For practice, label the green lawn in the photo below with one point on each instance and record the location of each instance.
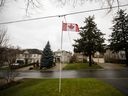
(78, 66)
(70, 87)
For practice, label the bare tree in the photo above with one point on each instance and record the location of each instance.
(10, 55)
(33, 4)
(3, 44)
(28, 4)
(3, 36)
(2, 2)
(75, 2)
(10, 73)
(7, 55)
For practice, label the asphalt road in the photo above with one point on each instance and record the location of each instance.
(117, 78)
(90, 73)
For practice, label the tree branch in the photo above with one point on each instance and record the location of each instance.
(3, 37)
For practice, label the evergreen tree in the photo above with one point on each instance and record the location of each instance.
(91, 39)
(47, 57)
(119, 36)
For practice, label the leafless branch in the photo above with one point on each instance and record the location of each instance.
(3, 37)
(32, 4)
(2, 3)
(29, 4)
(35, 4)
(74, 2)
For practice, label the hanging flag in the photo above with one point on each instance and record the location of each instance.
(70, 27)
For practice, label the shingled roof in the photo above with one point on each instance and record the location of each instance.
(33, 51)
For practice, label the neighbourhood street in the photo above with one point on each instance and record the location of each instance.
(117, 77)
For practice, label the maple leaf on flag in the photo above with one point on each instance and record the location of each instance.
(70, 27)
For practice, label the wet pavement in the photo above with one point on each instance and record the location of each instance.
(117, 78)
(112, 66)
(88, 73)
(119, 83)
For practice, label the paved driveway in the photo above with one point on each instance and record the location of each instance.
(112, 66)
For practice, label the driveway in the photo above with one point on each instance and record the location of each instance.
(112, 66)
(24, 68)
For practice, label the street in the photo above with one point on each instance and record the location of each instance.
(116, 77)
(89, 73)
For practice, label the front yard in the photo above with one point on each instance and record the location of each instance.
(78, 66)
(70, 87)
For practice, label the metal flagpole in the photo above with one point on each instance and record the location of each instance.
(61, 60)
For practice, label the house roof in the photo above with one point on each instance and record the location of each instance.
(58, 51)
(33, 51)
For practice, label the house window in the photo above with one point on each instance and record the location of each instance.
(122, 56)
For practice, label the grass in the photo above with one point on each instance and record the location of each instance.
(70, 87)
(78, 66)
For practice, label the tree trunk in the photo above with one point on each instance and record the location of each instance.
(90, 60)
(126, 55)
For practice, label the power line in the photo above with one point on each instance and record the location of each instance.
(73, 13)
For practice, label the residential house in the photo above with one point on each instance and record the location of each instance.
(80, 57)
(113, 57)
(62, 56)
(29, 56)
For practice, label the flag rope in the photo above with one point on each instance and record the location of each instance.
(68, 31)
(61, 56)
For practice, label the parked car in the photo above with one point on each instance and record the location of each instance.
(15, 65)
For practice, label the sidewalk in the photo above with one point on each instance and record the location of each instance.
(111, 66)
(57, 67)
(24, 68)
(100, 62)
(119, 83)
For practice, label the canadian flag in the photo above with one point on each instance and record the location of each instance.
(70, 27)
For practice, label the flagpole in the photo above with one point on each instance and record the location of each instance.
(60, 75)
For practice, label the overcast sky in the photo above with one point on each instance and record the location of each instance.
(35, 34)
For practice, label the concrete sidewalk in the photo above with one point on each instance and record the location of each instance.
(100, 62)
(119, 83)
(57, 67)
(24, 68)
(112, 66)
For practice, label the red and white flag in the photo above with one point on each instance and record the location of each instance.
(70, 27)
